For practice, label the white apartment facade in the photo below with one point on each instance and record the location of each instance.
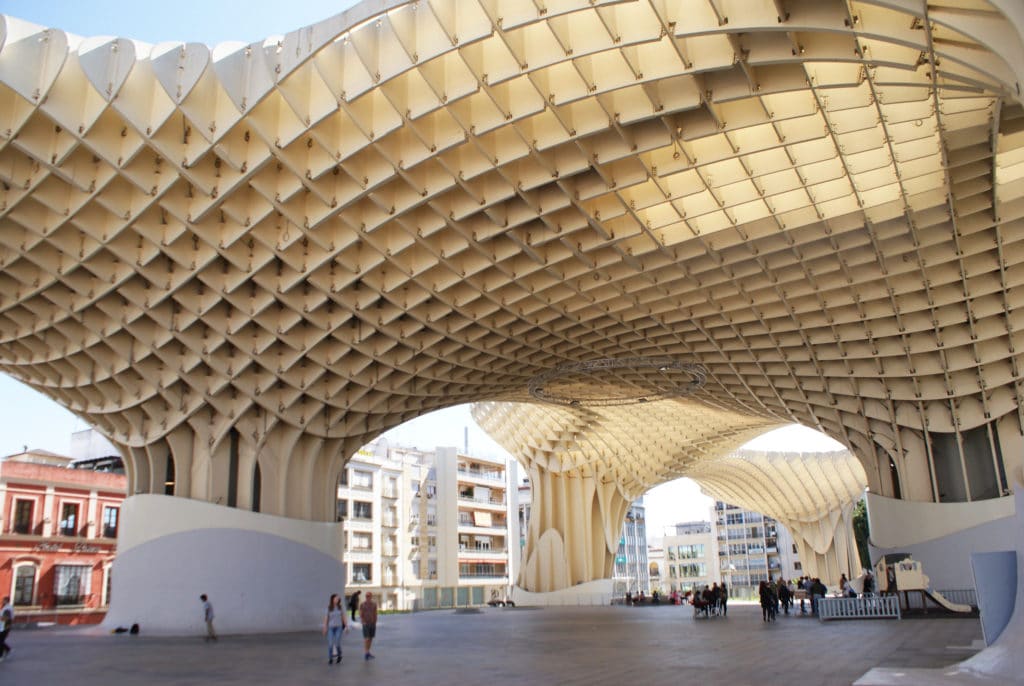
(751, 548)
(427, 529)
(690, 557)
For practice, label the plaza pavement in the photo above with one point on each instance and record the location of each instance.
(630, 646)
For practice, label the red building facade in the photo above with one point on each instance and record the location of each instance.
(58, 538)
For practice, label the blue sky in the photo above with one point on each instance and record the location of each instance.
(209, 21)
(29, 418)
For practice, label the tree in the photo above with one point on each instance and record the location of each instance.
(862, 532)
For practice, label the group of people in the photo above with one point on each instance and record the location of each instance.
(711, 601)
(334, 623)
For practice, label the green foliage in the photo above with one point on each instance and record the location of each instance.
(862, 531)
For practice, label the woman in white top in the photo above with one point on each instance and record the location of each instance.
(334, 624)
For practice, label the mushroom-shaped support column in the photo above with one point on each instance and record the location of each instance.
(574, 528)
(588, 464)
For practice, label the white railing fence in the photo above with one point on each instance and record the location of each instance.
(870, 607)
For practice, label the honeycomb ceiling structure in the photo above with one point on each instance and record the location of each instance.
(413, 205)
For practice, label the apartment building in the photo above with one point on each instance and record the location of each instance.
(631, 572)
(689, 557)
(751, 548)
(427, 529)
(737, 546)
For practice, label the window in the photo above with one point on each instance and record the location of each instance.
(362, 572)
(110, 522)
(693, 570)
(431, 515)
(69, 519)
(23, 516)
(362, 479)
(107, 583)
(71, 583)
(432, 569)
(362, 510)
(342, 509)
(24, 585)
(431, 490)
(431, 543)
(361, 541)
(690, 552)
(344, 477)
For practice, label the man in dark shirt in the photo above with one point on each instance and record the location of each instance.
(368, 616)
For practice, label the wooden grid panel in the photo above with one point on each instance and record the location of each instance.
(417, 204)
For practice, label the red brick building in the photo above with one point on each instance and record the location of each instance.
(58, 536)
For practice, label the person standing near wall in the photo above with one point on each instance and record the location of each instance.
(368, 616)
(353, 604)
(6, 622)
(211, 635)
(334, 624)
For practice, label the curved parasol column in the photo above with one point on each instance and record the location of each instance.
(812, 494)
(588, 464)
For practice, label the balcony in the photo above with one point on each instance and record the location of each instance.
(470, 498)
(467, 551)
(493, 475)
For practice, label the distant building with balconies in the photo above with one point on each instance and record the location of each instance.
(428, 529)
(631, 572)
(751, 548)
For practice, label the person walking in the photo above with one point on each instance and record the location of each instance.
(334, 624)
(724, 599)
(353, 604)
(785, 596)
(368, 616)
(6, 621)
(211, 635)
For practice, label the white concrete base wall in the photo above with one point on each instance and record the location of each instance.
(597, 592)
(942, 536)
(261, 573)
(1004, 660)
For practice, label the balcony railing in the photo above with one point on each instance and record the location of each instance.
(489, 474)
(487, 501)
